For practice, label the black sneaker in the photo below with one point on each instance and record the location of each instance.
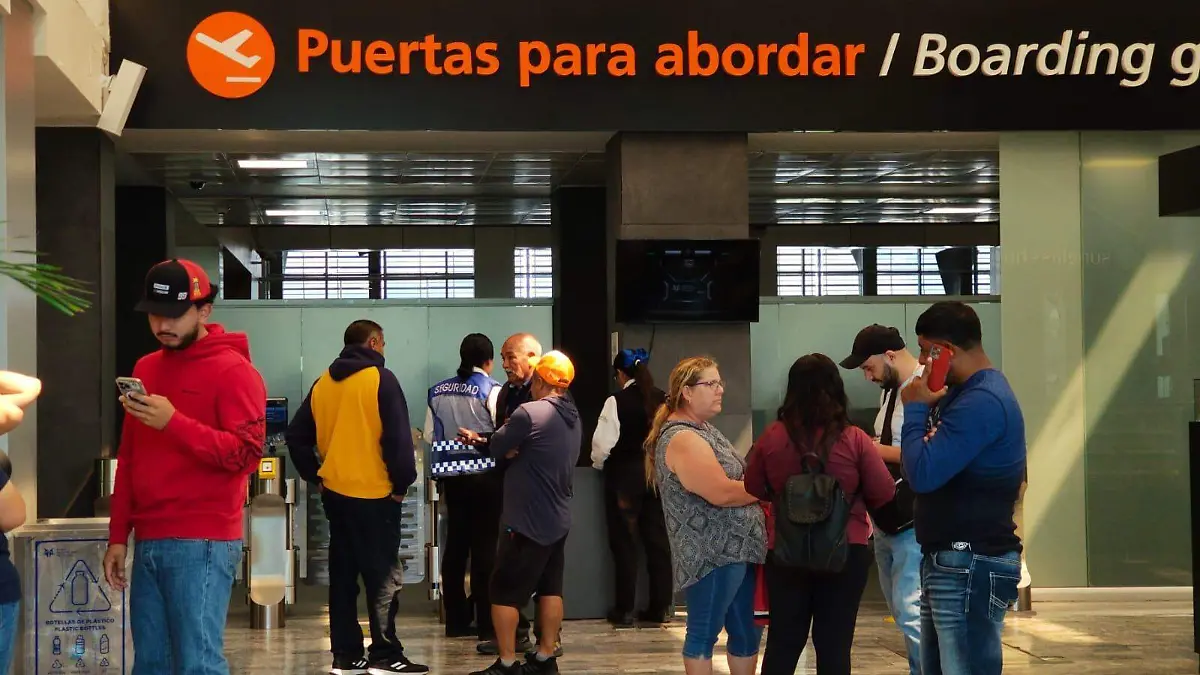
(399, 664)
(498, 668)
(490, 648)
(653, 618)
(535, 666)
(347, 666)
(620, 619)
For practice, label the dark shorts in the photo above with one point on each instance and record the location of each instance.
(525, 567)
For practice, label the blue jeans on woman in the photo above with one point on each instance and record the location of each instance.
(178, 603)
(964, 597)
(8, 634)
(723, 598)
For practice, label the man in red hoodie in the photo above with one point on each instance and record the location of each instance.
(187, 449)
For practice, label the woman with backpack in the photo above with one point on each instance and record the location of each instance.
(823, 473)
(715, 528)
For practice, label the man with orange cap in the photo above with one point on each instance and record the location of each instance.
(538, 445)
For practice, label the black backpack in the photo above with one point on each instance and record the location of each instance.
(811, 515)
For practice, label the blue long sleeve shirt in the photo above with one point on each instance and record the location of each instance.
(968, 476)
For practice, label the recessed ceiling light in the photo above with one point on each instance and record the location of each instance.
(273, 163)
(957, 210)
(284, 213)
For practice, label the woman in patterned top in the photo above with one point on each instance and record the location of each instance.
(715, 527)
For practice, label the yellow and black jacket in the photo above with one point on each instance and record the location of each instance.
(352, 433)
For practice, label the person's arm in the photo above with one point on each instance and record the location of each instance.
(889, 453)
(301, 439)
(396, 441)
(12, 505)
(236, 443)
(493, 398)
(757, 482)
(874, 481)
(693, 461)
(608, 430)
(974, 421)
(504, 444)
(427, 431)
(120, 505)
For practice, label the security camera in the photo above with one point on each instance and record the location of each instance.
(197, 184)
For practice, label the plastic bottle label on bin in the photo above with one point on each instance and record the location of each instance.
(81, 623)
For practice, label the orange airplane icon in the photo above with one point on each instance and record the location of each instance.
(231, 55)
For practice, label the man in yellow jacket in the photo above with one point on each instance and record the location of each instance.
(351, 438)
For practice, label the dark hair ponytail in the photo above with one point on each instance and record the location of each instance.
(476, 350)
(645, 382)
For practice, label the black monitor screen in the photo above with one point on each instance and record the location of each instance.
(277, 416)
(701, 281)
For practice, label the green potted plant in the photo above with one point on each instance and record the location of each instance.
(61, 292)
(56, 289)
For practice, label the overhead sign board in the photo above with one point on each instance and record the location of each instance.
(756, 65)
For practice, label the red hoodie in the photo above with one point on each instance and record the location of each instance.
(188, 481)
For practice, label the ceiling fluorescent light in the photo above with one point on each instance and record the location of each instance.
(956, 210)
(273, 163)
(284, 213)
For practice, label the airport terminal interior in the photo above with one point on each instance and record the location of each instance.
(531, 202)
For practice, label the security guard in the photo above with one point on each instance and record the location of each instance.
(634, 512)
(469, 483)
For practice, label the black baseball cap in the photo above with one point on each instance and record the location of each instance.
(872, 340)
(172, 287)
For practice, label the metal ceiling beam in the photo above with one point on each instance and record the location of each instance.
(508, 191)
(876, 190)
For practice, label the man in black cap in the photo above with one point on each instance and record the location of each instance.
(880, 353)
(193, 433)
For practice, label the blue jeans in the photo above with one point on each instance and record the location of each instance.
(964, 597)
(178, 602)
(899, 560)
(723, 598)
(8, 634)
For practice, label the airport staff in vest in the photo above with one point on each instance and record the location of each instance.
(634, 512)
(471, 488)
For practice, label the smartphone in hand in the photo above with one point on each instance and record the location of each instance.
(131, 385)
(939, 366)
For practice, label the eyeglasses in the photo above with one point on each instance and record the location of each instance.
(715, 384)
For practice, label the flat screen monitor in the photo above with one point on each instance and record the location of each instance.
(687, 281)
(277, 415)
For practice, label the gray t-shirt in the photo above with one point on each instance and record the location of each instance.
(537, 482)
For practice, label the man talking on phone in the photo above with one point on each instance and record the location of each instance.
(963, 451)
(195, 423)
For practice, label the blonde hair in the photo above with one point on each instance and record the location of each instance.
(685, 374)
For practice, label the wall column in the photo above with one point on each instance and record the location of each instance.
(144, 225)
(1043, 346)
(76, 354)
(581, 326)
(685, 186)
(18, 227)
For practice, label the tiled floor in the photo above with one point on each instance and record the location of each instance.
(1058, 639)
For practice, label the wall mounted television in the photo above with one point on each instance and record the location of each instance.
(687, 281)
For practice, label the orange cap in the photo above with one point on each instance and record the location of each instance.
(555, 369)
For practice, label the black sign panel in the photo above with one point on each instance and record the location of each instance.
(703, 65)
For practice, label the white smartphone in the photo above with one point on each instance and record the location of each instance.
(131, 385)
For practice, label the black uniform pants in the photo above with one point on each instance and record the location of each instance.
(635, 517)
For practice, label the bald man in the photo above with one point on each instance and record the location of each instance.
(517, 355)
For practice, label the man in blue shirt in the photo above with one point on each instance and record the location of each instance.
(963, 451)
